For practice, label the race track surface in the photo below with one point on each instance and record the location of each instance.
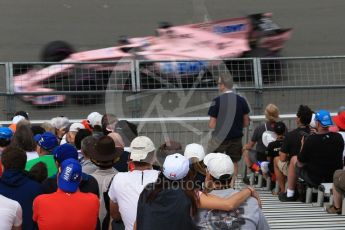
(26, 25)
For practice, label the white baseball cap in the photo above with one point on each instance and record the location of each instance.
(95, 118)
(75, 127)
(175, 167)
(140, 147)
(17, 119)
(219, 164)
(194, 150)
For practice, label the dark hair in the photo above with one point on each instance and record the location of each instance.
(39, 172)
(167, 148)
(97, 129)
(305, 114)
(108, 119)
(4, 142)
(24, 138)
(279, 128)
(13, 158)
(224, 180)
(164, 183)
(36, 129)
(81, 134)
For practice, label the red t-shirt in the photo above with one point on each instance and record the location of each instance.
(67, 211)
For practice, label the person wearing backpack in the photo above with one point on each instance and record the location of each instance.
(262, 136)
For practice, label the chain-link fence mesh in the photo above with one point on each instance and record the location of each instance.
(169, 88)
(303, 72)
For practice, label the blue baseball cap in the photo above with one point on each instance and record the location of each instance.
(70, 175)
(6, 133)
(64, 152)
(324, 117)
(47, 140)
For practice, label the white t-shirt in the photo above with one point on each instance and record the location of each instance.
(31, 155)
(125, 191)
(10, 213)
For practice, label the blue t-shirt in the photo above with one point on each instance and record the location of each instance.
(229, 109)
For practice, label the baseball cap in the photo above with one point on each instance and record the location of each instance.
(279, 127)
(64, 152)
(22, 113)
(324, 117)
(194, 150)
(5, 133)
(175, 167)
(47, 140)
(59, 122)
(70, 175)
(75, 127)
(140, 147)
(95, 118)
(17, 119)
(219, 165)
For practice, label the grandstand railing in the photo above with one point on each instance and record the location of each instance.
(184, 129)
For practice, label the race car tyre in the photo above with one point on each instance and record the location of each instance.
(56, 51)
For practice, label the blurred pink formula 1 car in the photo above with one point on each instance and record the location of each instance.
(175, 52)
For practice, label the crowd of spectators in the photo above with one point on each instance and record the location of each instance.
(101, 174)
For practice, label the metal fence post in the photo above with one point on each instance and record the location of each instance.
(258, 107)
(309, 195)
(252, 179)
(268, 183)
(260, 178)
(320, 196)
(133, 76)
(10, 103)
(137, 75)
(136, 108)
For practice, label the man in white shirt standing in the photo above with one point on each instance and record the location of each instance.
(10, 214)
(126, 187)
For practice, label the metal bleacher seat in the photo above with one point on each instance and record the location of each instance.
(297, 215)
